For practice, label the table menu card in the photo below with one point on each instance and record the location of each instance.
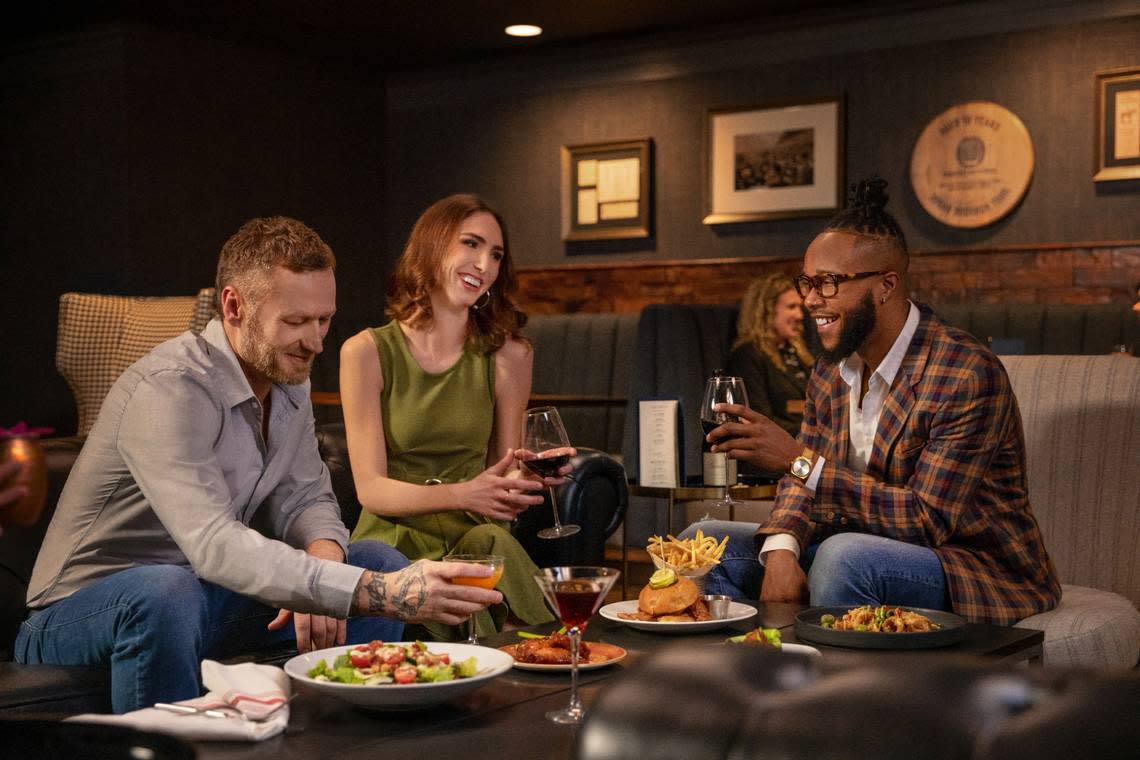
(659, 436)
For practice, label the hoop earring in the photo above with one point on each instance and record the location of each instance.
(482, 301)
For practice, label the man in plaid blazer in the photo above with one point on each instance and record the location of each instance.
(906, 485)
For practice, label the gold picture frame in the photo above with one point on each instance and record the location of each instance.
(1116, 103)
(778, 160)
(607, 190)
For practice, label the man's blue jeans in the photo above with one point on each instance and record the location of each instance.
(844, 570)
(154, 624)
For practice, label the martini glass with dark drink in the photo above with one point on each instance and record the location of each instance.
(575, 593)
(719, 470)
(545, 436)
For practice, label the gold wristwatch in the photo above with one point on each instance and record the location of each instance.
(801, 465)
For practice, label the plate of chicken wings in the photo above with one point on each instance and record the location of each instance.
(552, 653)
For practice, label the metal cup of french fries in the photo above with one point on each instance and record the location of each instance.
(691, 557)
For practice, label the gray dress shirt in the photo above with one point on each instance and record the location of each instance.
(176, 471)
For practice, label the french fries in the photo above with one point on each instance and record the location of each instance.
(687, 554)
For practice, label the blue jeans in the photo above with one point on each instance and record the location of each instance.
(154, 624)
(844, 570)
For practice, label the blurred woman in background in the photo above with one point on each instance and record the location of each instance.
(770, 352)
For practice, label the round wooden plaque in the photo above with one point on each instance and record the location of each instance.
(972, 164)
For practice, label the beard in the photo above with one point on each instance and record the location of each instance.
(857, 325)
(265, 358)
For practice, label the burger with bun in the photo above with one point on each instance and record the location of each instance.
(669, 598)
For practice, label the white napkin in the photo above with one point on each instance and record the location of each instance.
(255, 690)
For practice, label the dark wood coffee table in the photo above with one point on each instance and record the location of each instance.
(506, 718)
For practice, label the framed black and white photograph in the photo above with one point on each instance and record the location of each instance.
(1117, 108)
(607, 190)
(774, 161)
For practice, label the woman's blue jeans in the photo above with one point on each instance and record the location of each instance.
(153, 625)
(844, 570)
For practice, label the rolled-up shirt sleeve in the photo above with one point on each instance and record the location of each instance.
(167, 437)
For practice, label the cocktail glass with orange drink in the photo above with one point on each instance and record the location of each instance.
(493, 561)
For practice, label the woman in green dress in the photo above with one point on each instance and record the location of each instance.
(434, 403)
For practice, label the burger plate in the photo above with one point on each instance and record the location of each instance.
(736, 611)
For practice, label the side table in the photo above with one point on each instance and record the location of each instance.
(681, 495)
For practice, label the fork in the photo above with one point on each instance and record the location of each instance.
(220, 712)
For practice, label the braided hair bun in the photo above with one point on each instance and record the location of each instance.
(867, 213)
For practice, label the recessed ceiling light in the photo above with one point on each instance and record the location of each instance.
(523, 30)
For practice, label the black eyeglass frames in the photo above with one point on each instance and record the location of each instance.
(827, 284)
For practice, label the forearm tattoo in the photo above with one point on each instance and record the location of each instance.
(406, 601)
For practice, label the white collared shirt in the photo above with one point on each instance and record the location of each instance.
(863, 414)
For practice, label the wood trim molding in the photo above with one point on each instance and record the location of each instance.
(728, 261)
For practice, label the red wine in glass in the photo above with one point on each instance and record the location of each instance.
(544, 432)
(548, 467)
(719, 470)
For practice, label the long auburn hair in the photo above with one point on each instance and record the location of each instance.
(756, 310)
(419, 267)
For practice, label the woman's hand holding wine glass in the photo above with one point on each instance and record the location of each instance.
(497, 495)
(547, 452)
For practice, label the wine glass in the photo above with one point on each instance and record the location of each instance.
(575, 593)
(493, 561)
(545, 435)
(720, 389)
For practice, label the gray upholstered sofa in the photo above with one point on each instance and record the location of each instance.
(1081, 416)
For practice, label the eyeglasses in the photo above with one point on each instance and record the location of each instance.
(827, 284)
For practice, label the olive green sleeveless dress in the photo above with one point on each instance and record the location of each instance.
(438, 426)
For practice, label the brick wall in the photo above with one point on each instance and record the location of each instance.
(1053, 273)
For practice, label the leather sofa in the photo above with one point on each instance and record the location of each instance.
(596, 498)
(715, 703)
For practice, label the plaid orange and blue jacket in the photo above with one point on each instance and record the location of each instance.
(947, 470)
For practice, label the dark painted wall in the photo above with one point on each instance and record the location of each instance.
(487, 140)
(130, 154)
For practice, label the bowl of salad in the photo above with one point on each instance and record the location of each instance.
(398, 675)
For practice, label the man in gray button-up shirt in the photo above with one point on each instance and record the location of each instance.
(199, 517)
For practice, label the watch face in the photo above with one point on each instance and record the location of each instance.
(801, 468)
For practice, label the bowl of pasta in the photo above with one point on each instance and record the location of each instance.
(882, 627)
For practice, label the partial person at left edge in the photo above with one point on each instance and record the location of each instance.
(199, 519)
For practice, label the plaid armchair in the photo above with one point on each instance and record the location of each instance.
(100, 336)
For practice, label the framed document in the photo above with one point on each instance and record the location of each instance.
(1116, 152)
(606, 190)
